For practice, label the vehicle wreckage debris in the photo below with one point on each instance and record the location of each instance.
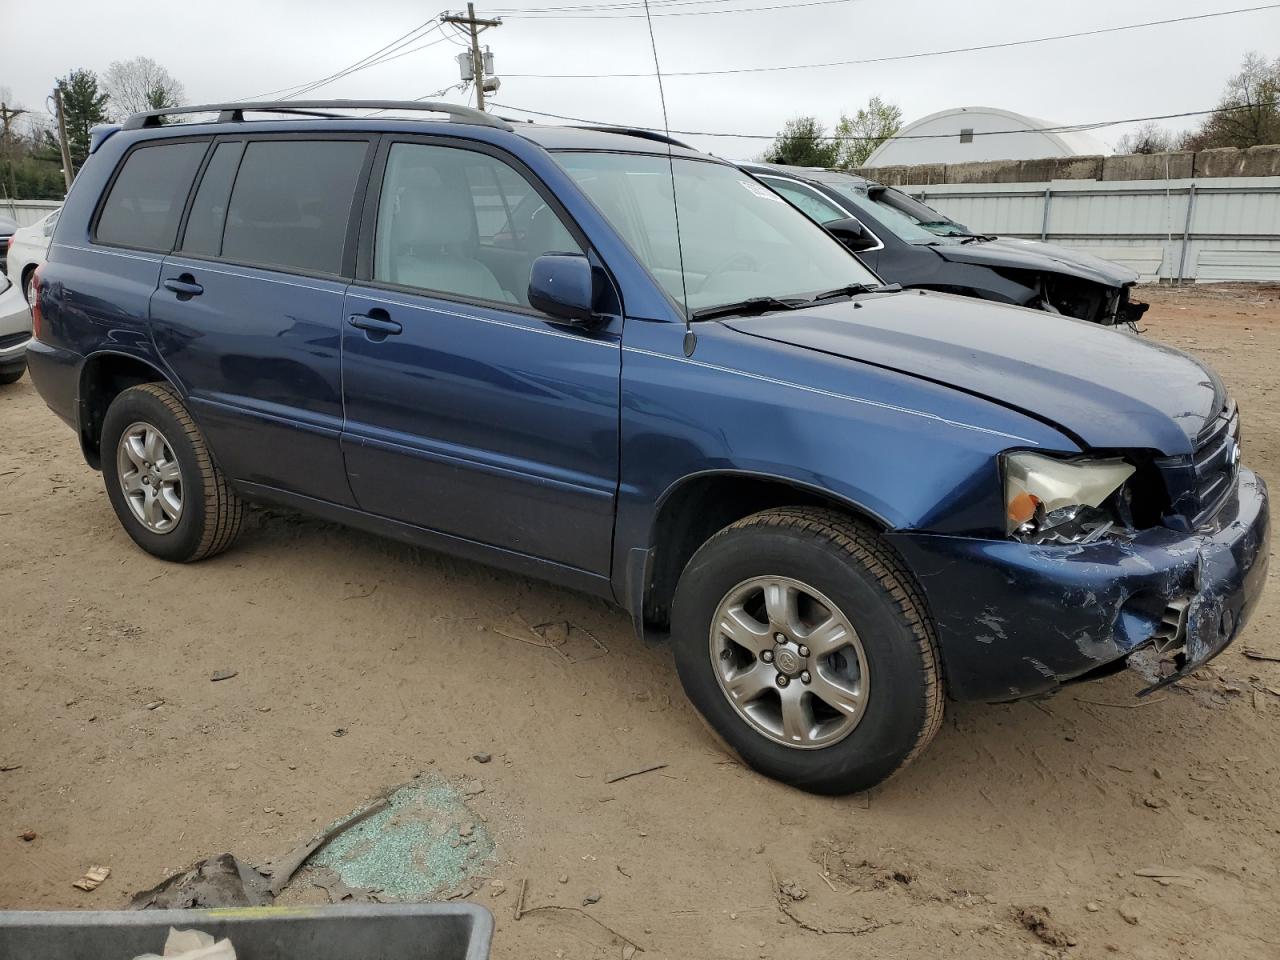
(281, 871)
(623, 775)
(223, 675)
(218, 881)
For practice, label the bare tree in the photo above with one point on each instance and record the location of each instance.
(1248, 113)
(140, 84)
(1150, 137)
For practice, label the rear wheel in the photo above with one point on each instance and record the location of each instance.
(807, 646)
(169, 495)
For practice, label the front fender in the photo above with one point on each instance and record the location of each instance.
(913, 454)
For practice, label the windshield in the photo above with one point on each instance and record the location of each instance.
(739, 239)
(908, 218)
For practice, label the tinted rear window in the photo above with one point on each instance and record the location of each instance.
(148, 195)
(291, 203)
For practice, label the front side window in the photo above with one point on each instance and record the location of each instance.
(812, 205)
(147, 197)
(291, 203)
(737, 238)
(462, 223)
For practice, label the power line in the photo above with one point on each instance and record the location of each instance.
(606, 7)
(409, 37)
(1064, 128)
(904, 56)
(390, 54)
(605, 15)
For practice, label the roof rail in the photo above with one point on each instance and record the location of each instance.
(639, 132)
(234, 112)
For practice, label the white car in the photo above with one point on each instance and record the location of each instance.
(15, 331)
(28, 248)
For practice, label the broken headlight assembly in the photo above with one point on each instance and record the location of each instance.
(1061, 501)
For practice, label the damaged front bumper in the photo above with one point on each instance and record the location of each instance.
(1017, 620)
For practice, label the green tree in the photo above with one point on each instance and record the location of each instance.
(84, 107)
(860, 134)
(803, 142)
(1248, 113)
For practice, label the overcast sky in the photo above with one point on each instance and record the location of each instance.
(230, 49)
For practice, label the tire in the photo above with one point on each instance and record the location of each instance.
(855, 598)
(12, 374)
(198, 515)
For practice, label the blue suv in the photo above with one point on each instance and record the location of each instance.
(604, 359)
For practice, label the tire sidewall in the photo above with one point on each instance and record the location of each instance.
(895, 714)
(140, 405)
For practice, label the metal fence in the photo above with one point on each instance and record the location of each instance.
(1204, 230)
(27, 212)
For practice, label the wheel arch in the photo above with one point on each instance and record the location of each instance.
(104, 376)
(694, 508)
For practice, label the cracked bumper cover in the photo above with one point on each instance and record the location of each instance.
(1017, 620)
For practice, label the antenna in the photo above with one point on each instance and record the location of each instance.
(690, 338)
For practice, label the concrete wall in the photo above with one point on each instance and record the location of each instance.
(1224, 162)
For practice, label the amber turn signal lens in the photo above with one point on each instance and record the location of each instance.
(1022, 508)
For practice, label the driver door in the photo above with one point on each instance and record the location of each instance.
(467, 411)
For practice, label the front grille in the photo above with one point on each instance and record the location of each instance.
(1215, 461)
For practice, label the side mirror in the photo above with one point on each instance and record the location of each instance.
(562, 285)
(852, 234)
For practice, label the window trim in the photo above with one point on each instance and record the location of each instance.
(351, 234)
(105, 194)
(363, 275)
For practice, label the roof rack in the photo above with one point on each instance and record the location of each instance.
(639, 132)
(234, 112)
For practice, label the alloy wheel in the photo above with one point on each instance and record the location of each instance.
(789, 662)
(150, 477)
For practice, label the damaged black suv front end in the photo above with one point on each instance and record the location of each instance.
(1159, 567)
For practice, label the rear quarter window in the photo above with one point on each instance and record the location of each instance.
(146, 198)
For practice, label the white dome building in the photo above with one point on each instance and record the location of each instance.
(977, 133)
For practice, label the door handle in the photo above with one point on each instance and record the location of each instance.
(376, 322)
(184, 286)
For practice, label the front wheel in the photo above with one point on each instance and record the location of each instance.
(806, 644)
(13, 374)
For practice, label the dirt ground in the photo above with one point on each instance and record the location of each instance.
(1025, 830)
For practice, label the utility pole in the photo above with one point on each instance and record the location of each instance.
(474, 25)
(67, 173)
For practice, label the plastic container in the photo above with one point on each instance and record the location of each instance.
(362, 931)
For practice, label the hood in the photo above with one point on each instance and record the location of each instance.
(1034, 255)
(1109, 389)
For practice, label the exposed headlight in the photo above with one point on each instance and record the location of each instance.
(1059, 501)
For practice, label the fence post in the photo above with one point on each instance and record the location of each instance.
(1044, 221)
(1186, 231)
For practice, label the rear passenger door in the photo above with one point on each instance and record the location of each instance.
(249, 311)
(469, 412)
